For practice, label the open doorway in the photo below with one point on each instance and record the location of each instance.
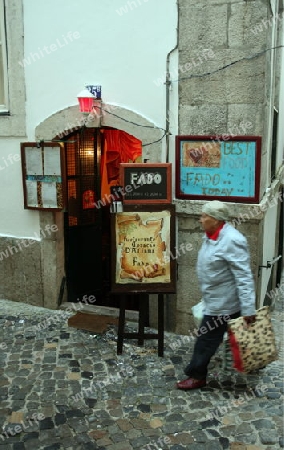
(92, 157)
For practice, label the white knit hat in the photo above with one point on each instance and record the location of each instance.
(216, 209)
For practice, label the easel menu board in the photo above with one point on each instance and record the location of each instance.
(42, 169)
(221, 167)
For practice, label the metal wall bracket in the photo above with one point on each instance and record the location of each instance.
(269, 264)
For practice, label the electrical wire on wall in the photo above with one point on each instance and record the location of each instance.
(206, 74)
(245, 58)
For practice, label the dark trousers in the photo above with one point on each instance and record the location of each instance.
(210, 335)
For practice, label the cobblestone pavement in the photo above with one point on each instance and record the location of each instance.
(63, 388)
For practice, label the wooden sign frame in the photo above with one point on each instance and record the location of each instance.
(143, 253)
(43, 172)
(146, 183)
(218, 168)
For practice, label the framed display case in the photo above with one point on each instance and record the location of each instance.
(43, 176)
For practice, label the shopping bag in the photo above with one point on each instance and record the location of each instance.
(198, 312)
(253, 347)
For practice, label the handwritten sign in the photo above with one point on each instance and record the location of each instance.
(227, 170)
(143, 252)
(142, 242)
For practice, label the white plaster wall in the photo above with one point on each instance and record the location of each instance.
(270, 223)
(269, 248)
(121, 45)
(14, 219)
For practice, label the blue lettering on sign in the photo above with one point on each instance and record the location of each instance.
(235, 175)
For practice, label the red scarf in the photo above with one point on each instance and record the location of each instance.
(214, 236)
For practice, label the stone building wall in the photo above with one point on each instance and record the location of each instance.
(225, 86)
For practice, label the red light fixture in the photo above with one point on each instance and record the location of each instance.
(86, 101)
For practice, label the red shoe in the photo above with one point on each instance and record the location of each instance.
(191, 383)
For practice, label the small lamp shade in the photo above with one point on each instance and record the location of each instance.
(86, 101)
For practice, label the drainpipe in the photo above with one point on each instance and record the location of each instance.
(168, 308)
(168, 86)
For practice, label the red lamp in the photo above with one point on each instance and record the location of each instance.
(86, 101)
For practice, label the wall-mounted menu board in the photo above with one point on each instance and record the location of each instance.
(218, 167)
(43, 175)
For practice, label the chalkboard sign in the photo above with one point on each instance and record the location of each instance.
(209, 167)
(146, 183)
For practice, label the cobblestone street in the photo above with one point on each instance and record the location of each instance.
(63, 388)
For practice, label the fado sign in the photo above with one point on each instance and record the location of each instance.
(145, 178)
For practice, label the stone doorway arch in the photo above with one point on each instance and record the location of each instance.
(61, 124)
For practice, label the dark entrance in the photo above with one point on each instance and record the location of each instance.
(83, 222)
(87, 227)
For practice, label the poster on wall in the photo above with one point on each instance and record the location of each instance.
(42, 171)
(224, 169)
(143, 251)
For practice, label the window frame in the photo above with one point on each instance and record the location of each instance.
(13, 121)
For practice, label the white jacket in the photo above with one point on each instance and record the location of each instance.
(224, 274)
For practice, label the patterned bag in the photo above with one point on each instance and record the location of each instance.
(253, 347)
